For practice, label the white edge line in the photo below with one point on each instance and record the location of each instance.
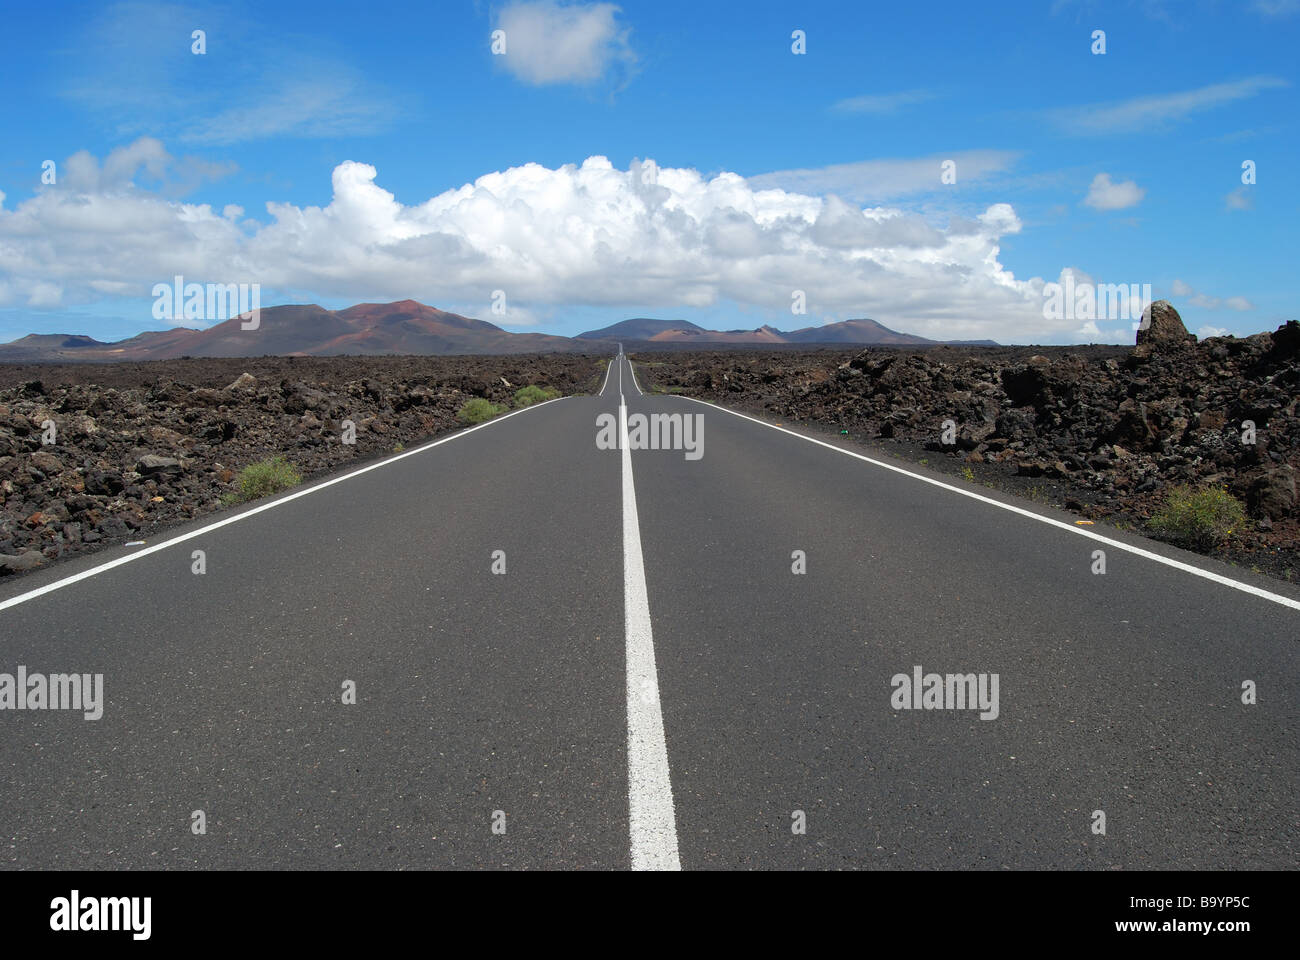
(1167, 561)
(632, 370)
(652, 821)
(608, 367)
(104, 567)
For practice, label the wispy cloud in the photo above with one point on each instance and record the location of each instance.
(1276, 8)
(327, 102)
(1239, 199)
(133, 69)
(872, 181)
(1158, 110)
(882, 102)
(1206, 302)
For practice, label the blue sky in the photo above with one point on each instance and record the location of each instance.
(314, 149)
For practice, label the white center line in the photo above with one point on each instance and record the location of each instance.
(649, 789)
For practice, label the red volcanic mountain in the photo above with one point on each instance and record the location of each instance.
(402, 328)
(683, 332)
(412, 329)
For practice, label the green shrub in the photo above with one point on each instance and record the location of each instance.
(1202, 519)
(533, 394)
(477, 409)
(264, 478)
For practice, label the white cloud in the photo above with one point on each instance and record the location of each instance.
(1205, 332)
(588, 235)
(1106, 195)
(1180, 289)
(882, 102)
(548, 42)
(874, 181)
(43, 294)
(1160, 110)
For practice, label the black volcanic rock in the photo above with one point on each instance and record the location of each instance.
(1112, 435)
(167, 440)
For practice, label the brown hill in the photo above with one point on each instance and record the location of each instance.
(410, 328)
(402, 328)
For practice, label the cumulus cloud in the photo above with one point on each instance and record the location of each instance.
(1106, 195)
(146, 158)
(578, 235)
(548, 42)
(1207, 331)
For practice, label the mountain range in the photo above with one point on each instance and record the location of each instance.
(411, 328)
(675, 332)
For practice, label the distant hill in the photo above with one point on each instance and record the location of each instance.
(681, 332)
(853, 331)
(410, 328)
(640, 328)
(402, 328)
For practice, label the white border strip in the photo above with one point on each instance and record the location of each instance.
(608, 367)
(651, 818)
(632, 370)
(104, 567)
(1119, 545)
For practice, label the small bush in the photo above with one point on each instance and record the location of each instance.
(533, 394)
(264, 478)
(477, 409)
(1202, 519)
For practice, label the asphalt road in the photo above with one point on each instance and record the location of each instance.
(649, 683)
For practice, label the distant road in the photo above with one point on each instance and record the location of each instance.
(649, 683)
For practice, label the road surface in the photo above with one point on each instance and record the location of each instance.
(649, 683)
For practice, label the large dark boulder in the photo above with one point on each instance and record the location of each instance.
(1273, 493)
(1162, 327)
